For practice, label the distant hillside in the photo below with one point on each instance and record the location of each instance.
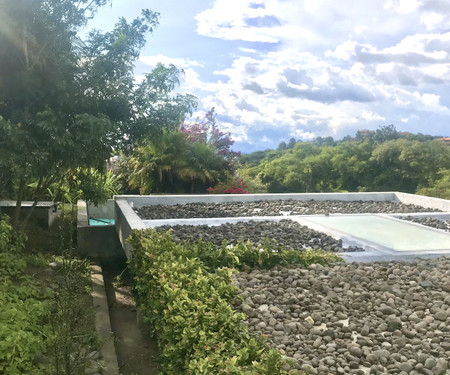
(381, 160)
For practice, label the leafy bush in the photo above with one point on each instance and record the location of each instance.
(184, 290)
(23, 308)
(12, 245)
(45, 329)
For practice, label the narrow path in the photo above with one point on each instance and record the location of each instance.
(136, 353)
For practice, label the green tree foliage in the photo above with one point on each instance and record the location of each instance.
(351, 162)
(291, 143)
(282, 146)
(382, 161)
(187, 160)
(327, 141)
(405, 165)
(67, 103)
(174, 164)
(91, 185)
(439, 187)
(257, 157)
(385, 133)
(155, 165)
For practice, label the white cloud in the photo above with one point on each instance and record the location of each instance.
(179, 62)
(402, 6)
(431, 20)
(304, 136)
(248, 50)
(429, 99)
(268, 22)
(360, 29)
(371, 116)
(305, 94)
(337, 66)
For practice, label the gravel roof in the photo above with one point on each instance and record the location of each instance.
(271, 208)
(358, 318)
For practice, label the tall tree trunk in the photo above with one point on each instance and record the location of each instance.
(19, 203)
(30, 212)
(40, 188)
(25, 47)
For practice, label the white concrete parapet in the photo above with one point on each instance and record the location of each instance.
(150, 200)
(427, 202)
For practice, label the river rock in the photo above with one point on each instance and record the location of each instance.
(411, 339)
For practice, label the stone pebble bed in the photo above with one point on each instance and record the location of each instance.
(358, 318)
(430, 222)
(286, 234)
(271, 208)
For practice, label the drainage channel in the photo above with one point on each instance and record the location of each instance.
(137, 353)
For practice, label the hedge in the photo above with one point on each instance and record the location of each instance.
(184, 293)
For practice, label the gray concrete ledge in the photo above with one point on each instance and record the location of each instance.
(103, 323)
(126, 220)
(421, 200)
(150, 200)
(45, 213)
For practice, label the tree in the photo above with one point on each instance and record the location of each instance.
(282, 146)
(67, 103)
(291, 143)
(189, 159)
(439, 187)
(327, 141)
(403, 165)
(156, 164)
(351, 162)
(207, 130)
(176, 164)
(203, 165)
(385, 133)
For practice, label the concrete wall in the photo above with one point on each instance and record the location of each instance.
(150, 200)
(45, 213)
(126, 220)
(420, 200)
(97, 241)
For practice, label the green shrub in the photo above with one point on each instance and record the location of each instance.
(21, 330)
(45, 329)
(184, 290)
(12, 245)
(23, 310)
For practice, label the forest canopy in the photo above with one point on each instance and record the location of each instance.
(383, 160)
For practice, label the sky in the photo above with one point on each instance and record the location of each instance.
(280, 69)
